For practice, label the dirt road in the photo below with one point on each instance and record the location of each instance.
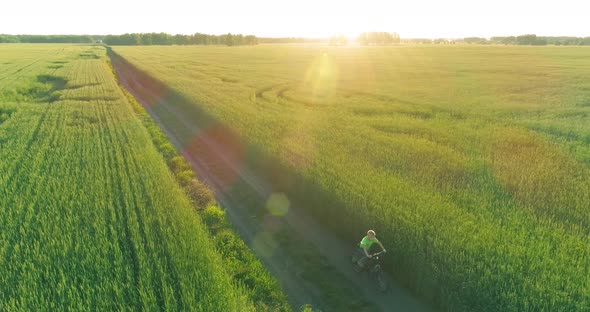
(261, 231)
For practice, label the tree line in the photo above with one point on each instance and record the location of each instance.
(136, 39)
(167, 39)
(530, 39)
(367, 38)
(48, 38)
(378, 38)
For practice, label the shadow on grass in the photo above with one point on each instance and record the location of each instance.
(89, 56)
(319, 202)
(43, 90)
(302, 192)
(6, 113)
(80, 86)
(93, 98)
(46, 89)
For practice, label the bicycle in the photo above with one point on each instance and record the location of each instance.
(373, 266)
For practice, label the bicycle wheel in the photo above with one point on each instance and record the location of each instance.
(354, 258)
(381, 282)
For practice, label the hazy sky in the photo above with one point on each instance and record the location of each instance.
(310, 18)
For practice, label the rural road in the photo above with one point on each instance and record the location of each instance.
(207, 160)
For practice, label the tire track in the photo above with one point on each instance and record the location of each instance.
(158, 279)
(125, 243)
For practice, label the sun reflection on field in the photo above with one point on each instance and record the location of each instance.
(322, 77)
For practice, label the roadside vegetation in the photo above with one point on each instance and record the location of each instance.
(471, 163)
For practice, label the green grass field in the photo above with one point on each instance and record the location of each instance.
(472, 163)
(92, 218)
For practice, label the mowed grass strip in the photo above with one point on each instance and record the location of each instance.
(92, 218)
(470, 162)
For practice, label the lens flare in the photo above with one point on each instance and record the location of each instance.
(321, 78)
(278, 204)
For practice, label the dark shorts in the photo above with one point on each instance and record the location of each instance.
(361, 256)
(361, 251)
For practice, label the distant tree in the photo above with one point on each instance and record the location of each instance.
(228, 39)
(9, 39)
(338, 40)
(510, 40)
(162, 39)
(47, 38)
(199, 38)
(135, 39)
(378, 38)
(531, 40)
(417, 41)
(179, 39)
(131, 39)
(571, 41)
(145, 39)
(526, 39)
(250, 40)
(475, 40)
(540, 41)
(239, 39)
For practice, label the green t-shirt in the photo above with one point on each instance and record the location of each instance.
(367, 243)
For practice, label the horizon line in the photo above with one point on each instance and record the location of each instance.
(295, 37)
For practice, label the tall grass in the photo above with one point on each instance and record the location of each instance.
(92, 218)
(245, 269)
(471, 163)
